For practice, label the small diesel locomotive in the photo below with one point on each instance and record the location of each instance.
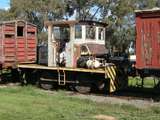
(75, 56)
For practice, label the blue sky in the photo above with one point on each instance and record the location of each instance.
(4, 4)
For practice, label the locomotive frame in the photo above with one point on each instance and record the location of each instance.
(107, 77)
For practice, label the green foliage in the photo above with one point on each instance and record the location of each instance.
(5, 15)
(149, 82)
(37, 11)
(82, 8)
(42, 37)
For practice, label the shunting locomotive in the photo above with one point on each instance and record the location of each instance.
(75, 56)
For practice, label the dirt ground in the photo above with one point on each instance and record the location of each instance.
(9, 85)
(104, 117)
(138, 102)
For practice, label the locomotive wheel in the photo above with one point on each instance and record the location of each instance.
(46, 85)
(45, 80)
(83, 88)
(101, 85)
(83, 85)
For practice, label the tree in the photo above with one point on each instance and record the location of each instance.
(37, 11)
(117, 13)
(85, 9)
(4, 15)
(120, 16)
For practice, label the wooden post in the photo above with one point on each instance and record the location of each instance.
(83, 39)
(51, 48)
(70, 48)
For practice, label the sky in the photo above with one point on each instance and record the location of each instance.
(4, 4)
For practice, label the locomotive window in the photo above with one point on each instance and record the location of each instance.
(61, 33)
(56, 33)
(78, 31)
(101, 34)
(65, 33)
(90, 32)
(20, 31)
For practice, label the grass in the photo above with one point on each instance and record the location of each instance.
(149, 82)
(29, 103)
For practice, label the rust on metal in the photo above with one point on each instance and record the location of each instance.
(96, 48)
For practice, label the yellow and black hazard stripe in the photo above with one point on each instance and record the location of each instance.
(110, 72)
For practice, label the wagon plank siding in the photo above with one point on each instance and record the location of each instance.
(17, 43)
(148, 39)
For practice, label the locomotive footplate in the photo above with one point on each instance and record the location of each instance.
(83, 80)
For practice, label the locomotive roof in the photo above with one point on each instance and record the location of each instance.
(73, 22)
(14, 21)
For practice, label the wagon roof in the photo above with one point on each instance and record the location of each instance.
(14, 21)
(73, 22)
(156, 9)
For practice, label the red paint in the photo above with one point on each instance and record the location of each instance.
(14, 48)
(148, 39)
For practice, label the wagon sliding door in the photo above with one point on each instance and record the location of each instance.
(157, 43)
(26, 42)
(21, 42)
(150, 43)
(31, 42)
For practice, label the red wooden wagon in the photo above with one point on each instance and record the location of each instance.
(17, 43)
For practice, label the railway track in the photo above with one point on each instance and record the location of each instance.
(138, 93)
(119, 98)
(131, 93)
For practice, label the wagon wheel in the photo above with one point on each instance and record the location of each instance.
(24, 77)
(83, 84)
(28, 77)
(156, 82)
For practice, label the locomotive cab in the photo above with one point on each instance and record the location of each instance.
(73, 43)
